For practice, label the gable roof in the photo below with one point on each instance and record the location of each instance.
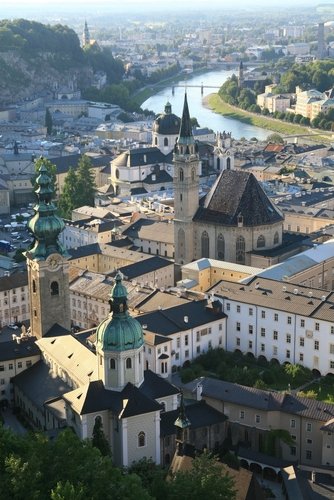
(155, 386)
(141, 156)
(238, 193)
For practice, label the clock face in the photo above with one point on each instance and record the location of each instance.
(53, 261)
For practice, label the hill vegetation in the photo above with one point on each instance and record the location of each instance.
(35, 57)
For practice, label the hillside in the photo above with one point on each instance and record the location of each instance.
(35, 57)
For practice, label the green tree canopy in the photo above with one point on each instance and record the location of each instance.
(205, 479)
(67, 198)
(275, 138)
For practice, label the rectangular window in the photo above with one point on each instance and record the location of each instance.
(238, 309)
(198, 349)
(262, 347)
(250, 329)
(308, 455)
(316, 345)
(263, 314)
(19, 364)
(289, 319)
(178, 342)
(288, 338)
(177, 355)
(228, 306)
(331, 365)
(293, 451)
(288, 354)
(10, 366)
(250, 311)
(238, 326)
(2, 381)
(220, 327)
(257, 419)
(308, 427)
(302, 323)
(275, 350)
(250, 345)
(186, 354)
(28, 363)
(317, 327)
(301, 357)
(301, 341)
(292, 423)
(2, 368)
(263, 332)
(275, 317)
(198, 336)
(237, 341)
(186, 340)
(332, 330)
(331, 348)
(309, 441)
(275, 335)
(242, 414)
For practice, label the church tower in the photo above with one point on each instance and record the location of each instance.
(85, 36)
(241, 78)
(47, 264)
(120, 343)
(186, 189)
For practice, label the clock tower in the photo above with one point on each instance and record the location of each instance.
(47, 264)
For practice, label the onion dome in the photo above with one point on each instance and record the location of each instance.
(45, 225)
(167, 123)
(119, 332)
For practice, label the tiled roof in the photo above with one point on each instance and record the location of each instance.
(15, 280)
(137, 269)
(179, 318)
(238, 193)
(199, 414)
(156, 387)
(142, 156)
(12, 350)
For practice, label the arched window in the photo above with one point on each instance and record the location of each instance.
(128, 363)
(54, 288)
(218, 163)
(141, 439)
(181, 175)
(220, 247)
(112, 364)
(261, 242)
(205, 244)
(165, 141)
(193, 174)
(276, 238)
(228, 164)
(181, 243)
(98, 420)
(34, 286)
(240, 250)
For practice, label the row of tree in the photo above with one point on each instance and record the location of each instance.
(67, 468)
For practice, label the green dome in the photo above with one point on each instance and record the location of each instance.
(119, 332)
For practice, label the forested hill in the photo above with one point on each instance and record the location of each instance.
(34, 56)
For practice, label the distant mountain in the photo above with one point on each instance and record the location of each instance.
(35, 57)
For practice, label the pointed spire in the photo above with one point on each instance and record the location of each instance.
(186, 134)
(182, 421)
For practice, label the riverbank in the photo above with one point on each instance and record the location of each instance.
(145, 93)
(217, 105)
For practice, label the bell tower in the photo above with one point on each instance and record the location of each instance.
(47, 264)
(120, 343)
(186, 189)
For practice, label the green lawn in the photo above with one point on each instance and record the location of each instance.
(324, 389)
(217, 105)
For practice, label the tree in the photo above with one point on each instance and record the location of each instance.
(275, 138)
(52, 173)
(67, 198)
(48, 121)
(86, 186)
(206, 478)
(99, 439)
(194, 122)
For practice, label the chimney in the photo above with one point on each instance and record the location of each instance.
(186, 319)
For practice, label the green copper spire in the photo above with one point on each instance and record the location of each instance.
(119, 332)
(182, 421)
(45, 225)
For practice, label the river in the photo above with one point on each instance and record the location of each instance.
(205, 117)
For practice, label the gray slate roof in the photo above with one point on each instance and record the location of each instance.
(142, 156)
(237, 193)
(12, 350)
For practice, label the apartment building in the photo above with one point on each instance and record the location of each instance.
(280, 321)
(14, 303)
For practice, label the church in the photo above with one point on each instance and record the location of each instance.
(233, 221)
(97, 375)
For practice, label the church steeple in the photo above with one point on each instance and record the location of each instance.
(186, 188)
(45, 225)
(186, 134)
(47, 265)
(120, 343)
(85, 36)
